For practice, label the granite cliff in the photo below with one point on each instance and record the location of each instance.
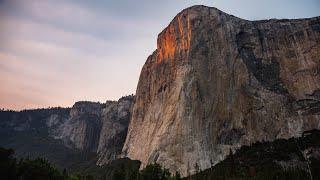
(217, 82)
(87, 133)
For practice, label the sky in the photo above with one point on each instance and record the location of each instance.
(56, 52)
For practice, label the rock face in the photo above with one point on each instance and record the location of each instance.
(82, 129)
(88, 128)
(99, 128)
(217, 82)
(115, 121)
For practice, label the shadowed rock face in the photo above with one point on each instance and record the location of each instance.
(86, 128)
(115, 119)
(82, 129)
(217, 82)
(99, 128)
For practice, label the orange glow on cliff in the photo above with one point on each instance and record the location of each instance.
(176, 38)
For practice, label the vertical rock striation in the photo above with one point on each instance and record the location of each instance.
(217, 82)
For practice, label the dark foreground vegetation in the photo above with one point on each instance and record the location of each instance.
(295, 158)
(41, 169)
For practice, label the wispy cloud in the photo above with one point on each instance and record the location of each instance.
(56, 52)
(77, 18)
(43, 56)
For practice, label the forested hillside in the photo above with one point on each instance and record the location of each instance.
(295, 158)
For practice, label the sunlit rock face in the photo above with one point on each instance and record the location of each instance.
(217, 82)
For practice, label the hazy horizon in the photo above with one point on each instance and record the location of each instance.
(54, 53)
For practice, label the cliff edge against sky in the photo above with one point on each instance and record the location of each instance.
(217, 82)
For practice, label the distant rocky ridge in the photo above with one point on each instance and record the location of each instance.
(86, 128)
(217, 82)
